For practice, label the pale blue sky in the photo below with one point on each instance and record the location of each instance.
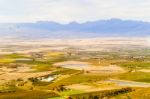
(72, 10)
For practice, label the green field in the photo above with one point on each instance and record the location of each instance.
(57, 90)
(135, 76)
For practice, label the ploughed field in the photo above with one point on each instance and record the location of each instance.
(74, 73)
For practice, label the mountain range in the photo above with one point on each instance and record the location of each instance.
(91, 29)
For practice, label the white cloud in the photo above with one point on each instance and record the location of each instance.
(72, 10)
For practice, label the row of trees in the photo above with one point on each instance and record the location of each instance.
(101, 94)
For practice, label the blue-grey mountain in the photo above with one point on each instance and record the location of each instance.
(100, 28)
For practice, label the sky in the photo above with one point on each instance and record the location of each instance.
(64, 11)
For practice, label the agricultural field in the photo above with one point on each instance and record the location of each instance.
(75, 74)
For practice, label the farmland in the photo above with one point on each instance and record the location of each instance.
(75, 72)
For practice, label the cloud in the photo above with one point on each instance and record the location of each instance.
(72, 10)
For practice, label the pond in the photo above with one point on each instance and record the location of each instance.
(48, 79)
(73, 65)
(129, 83)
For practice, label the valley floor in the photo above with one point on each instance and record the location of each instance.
(73, 72)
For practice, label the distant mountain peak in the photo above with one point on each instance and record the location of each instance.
(50, 29)
(73, 23)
